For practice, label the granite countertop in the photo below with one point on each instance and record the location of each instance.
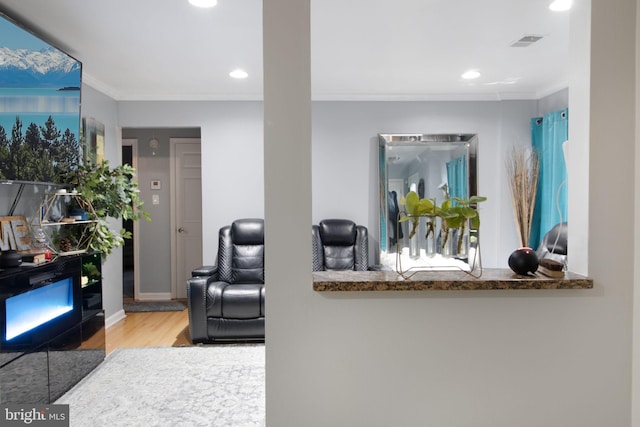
(490, 279)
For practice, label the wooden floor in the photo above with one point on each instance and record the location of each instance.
(168, 328)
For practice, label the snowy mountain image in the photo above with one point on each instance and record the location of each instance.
(46, 68)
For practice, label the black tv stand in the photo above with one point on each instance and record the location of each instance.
(39, 363)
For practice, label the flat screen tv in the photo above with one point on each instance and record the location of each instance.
(39, 107)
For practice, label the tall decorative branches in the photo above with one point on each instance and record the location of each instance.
(523, 166)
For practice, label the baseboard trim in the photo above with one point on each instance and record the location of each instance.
(154, 296)
(114, 318)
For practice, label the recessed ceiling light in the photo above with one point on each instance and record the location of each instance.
(471, 74)
(239, 74)
(203, 3)
(560, 5)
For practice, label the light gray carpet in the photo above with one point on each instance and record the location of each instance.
(173, 386)
(140, 306)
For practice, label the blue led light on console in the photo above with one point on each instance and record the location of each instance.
(27, 311)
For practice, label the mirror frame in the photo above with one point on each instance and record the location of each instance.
(387, 141)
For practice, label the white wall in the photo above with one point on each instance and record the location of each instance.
(611, 181)
(555, 101)
(104, 109)
(635, 414)
(232, 153)
(577, 152)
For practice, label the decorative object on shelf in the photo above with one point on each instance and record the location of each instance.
(522, 168)
(523, 261)
(78, 214)
(39, 239)
(459, 212)
(65, 245)
(456, 216)
(14, 233)
(418, 210)
(10, 258)
(551, 268)
(114, 193)
(63, 232)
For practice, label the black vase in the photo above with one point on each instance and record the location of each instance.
(10, 258)
(523, 261)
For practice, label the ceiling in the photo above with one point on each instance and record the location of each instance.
(360, 49)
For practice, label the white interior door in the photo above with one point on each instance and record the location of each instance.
(187, 211)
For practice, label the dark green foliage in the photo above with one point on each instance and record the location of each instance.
(41, 153)
(113, 193)
(90, 270)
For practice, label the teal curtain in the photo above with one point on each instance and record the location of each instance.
(382, 183)
(457, 177)
(548, 133)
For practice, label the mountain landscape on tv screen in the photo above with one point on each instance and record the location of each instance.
(40, 89)
(47, 68)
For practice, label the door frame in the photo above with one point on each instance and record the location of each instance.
(133, 143)
(173, 142)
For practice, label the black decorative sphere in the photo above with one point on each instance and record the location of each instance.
(523, 261)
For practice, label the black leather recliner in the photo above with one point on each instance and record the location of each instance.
(226, 300)
(340, 244)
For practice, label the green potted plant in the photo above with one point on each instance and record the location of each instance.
(455, 214)
(113, 193)
(417, 208)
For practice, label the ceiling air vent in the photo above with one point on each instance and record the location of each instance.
(526, 41)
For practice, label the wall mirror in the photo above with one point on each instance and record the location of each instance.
(436, 166)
